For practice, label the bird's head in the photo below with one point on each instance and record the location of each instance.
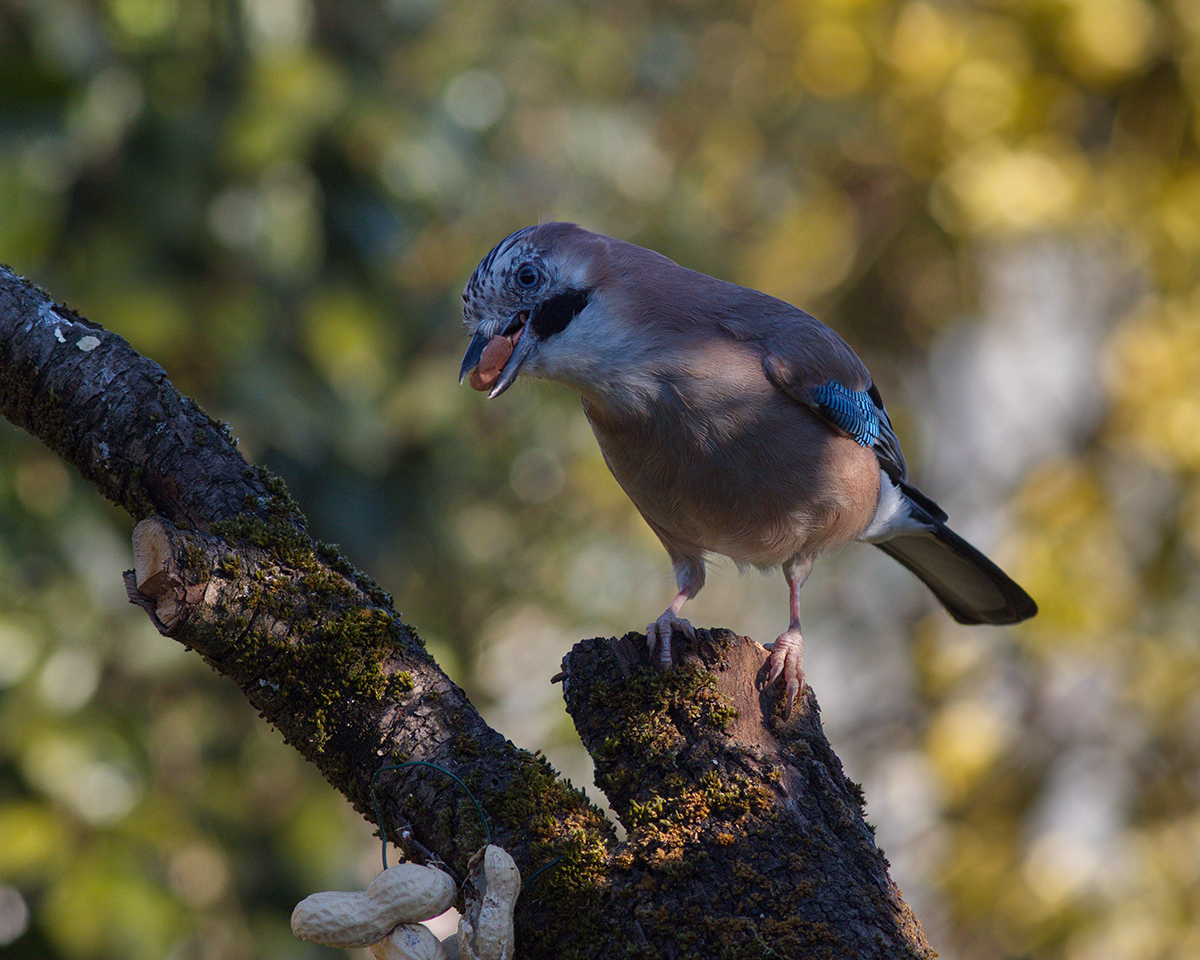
(521, 298)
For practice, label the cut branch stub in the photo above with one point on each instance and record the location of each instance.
(157, 584)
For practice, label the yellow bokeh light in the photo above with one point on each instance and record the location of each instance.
(1178, 216)
(346, 338)
(1106, 39)
(1074, 559)
(1153, 367)
(965, 739)
(980, 98)
(926, 44)
(995, 188)
(834, 59)
(808, 250)
(145, 19)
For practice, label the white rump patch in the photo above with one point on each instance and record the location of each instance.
(893, 516)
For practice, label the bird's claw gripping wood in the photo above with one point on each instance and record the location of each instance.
(658, 637)
(786, 664)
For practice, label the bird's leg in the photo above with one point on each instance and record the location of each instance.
(658, 634)
(787, 652)
(689, 575)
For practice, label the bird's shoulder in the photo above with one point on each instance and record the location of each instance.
(681, 314)
(662, 294)
(797, 351)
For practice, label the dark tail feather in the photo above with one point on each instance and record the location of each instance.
(969, 585)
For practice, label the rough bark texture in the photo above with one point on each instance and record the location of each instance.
(744, 837)
(742, 827)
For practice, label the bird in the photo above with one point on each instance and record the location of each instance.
(738, 424)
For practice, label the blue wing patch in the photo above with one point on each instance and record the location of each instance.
(852, 411)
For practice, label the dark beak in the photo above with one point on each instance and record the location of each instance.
(471, 359)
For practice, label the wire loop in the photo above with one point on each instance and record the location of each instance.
(487, 830)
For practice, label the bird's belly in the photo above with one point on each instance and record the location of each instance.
(760, 496)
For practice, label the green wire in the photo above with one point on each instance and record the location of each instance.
(545, 866)
(487, 832)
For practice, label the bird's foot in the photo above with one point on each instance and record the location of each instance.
(658, 637)
(786, 663)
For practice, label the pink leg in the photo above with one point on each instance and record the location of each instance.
(787, 652)
(689, 575)
(658, 634)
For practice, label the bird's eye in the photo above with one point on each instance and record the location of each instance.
(528, 276)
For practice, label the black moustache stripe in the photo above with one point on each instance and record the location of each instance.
(552, 315)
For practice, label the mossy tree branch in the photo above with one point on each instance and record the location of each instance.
(744, 838)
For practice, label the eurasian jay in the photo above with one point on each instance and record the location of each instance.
(736, 423)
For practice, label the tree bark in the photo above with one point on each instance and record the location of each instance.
(744, 837)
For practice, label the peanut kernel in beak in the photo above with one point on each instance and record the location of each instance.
(495, 356)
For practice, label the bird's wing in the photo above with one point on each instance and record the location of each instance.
(828, 378)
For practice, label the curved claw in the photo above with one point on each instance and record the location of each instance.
(658, 637)
(787, 653)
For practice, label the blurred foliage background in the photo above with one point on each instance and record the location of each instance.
(997, 202)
